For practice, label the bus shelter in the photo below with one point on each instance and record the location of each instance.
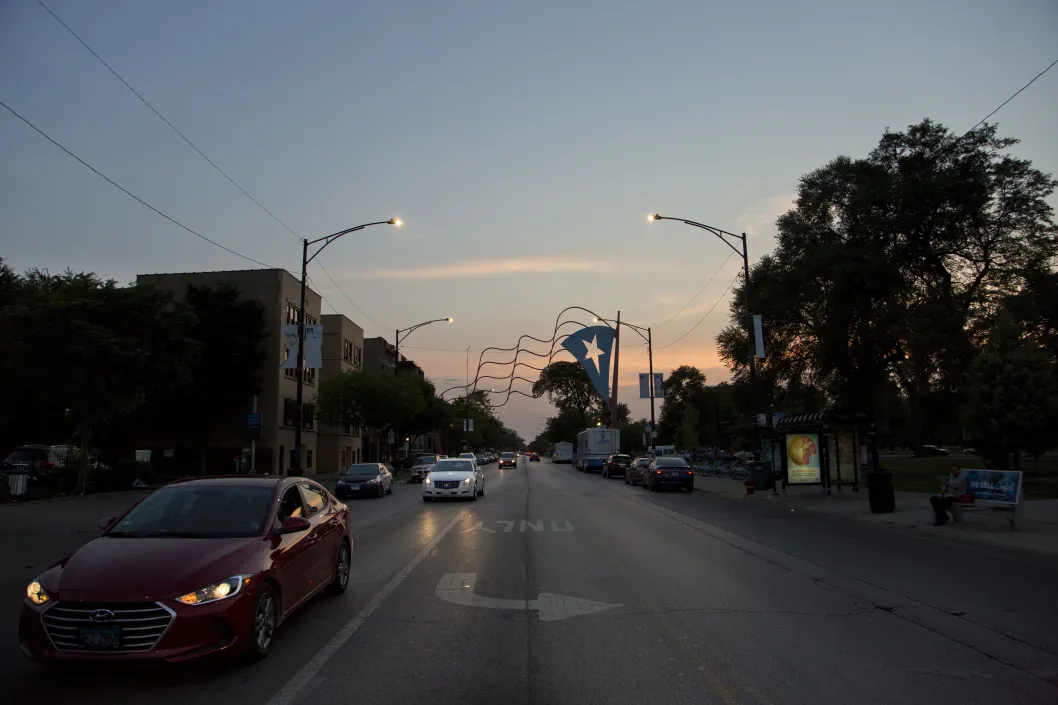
(827, 448)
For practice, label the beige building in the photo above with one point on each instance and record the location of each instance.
(279, 292)
(343, 350)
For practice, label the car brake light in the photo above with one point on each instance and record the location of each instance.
(690, 472)
(659, 472)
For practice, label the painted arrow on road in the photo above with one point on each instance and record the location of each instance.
(458, 589)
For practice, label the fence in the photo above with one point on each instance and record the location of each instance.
(732, 468)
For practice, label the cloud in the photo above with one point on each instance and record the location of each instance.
(489, 268)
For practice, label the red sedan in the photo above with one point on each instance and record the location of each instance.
(199, 567)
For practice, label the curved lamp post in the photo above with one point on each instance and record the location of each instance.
(731, 239)
(403, 333)
(305, 259)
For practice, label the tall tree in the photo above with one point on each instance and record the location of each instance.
(890, 267)
(687, 438)
(567, 386)
(1011, 397)
(94, 349)
(228, 334)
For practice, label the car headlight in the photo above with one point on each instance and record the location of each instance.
(427, 480)
(466, 480)
(36, 593)
(372, 480)
(229, 587)
(341, 483)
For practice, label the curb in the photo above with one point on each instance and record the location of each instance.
(66, 498)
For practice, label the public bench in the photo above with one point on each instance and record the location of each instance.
(995, 492)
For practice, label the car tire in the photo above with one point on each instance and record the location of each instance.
(342, 568)
(482, 492)
(263, 623)
(474, 496)
(651, 487)
(627, 481)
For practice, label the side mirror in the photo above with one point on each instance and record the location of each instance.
(106, 522)
(293, 525)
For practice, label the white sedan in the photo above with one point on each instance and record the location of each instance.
(455, 478)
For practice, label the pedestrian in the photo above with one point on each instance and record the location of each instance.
(954, 491)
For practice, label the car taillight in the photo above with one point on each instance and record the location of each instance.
(659, 472)
(690, 472)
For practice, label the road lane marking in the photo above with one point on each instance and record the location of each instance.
(458, 589)
(295, 687)
(557, 525)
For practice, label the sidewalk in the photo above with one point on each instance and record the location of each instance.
(1037, 519)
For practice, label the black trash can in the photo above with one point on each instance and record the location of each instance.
(760, 473)
(880, 493)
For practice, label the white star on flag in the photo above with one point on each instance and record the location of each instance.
(593, 352)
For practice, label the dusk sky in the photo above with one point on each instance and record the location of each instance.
(523, 144)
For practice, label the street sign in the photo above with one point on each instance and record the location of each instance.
(644, 385)
(253, 426)
(758, 337)
(659, 385)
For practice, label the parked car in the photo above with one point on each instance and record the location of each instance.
(616, 465)
(508, 459)
(930, 450)
(364, 480)
(637, 471)
(197, 568)
(669, 472)
(470, 456)
(461, 478)
(422, 466)
(534, 457)
(480, 458)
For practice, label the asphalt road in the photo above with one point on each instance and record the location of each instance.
(559, 587)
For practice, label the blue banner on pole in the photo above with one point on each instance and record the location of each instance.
(253, 426)
(591, 347)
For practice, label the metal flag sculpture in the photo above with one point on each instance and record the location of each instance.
(591, 347)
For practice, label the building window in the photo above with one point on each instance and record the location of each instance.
(347, 350)
(290, 412)
(309, 411)
(308, 459)
(293, 458)
(358, 356)
(292, 316)
(310, 376)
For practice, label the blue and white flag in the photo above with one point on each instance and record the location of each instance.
(591, 347)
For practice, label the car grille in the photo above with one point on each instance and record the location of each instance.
(446, 484)
(142, 623)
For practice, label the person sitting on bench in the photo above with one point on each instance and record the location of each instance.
(954, 491)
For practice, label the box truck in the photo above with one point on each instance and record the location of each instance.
(594, 446)
(563, 453)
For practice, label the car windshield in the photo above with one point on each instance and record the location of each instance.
(426, 460)
(360, 469)
(196, 511)
(622, 459)
(507, 455)
(642, 461)
(454, 466)
(672, 463)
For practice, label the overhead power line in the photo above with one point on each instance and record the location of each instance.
(1016, 93)
(711, 308)
(131, 195)
(693, 298)
(202, 154)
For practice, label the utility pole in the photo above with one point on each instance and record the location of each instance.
(650, 359)
(616, 361)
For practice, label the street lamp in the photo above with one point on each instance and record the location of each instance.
(407, 331)
(727, 238)
(305, 259)
(650, 359)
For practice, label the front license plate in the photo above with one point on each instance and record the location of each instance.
(100, 638)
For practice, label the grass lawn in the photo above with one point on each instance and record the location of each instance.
(920, 474)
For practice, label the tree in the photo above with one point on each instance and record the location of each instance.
(92, 349)
(687, 438)
(228, 334)
(371, 399)
(1011, 396)
(685, 384)
(889, 270)
(568, 386)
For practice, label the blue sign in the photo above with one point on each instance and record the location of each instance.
(591, 347)
(994, 485)
(253, 426)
